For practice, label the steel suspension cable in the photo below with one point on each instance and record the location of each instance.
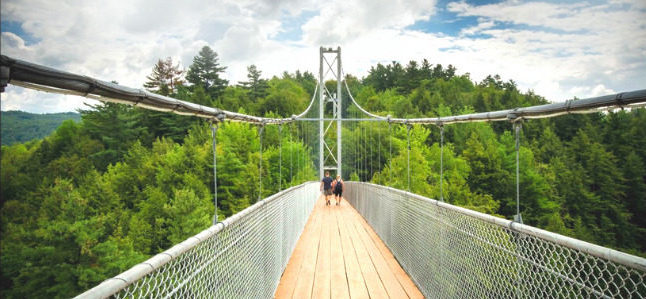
(359, 106)
(441, 162)
(38, 77)
(379, 148)
(291, 154)
(371, 154)
(517, 126)
(588, 105)
(357, 148)
(354, 144)
(261, 128)
(280, 157)
(306, 153)
(390, 153)
(305, 144)
(365, 153)
(214, 129)
(359, 144)
(518, 217)
(29, 75)
(357, 154)
(299, 131)
(301, 140)
(408, 129)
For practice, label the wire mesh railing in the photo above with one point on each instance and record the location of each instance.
(452, 252)
(242, 257)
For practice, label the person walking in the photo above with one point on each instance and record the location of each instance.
(326, 187)
(339, 186)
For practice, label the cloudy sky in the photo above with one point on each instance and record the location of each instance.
(559, 49)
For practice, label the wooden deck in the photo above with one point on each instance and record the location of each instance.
(340, 256)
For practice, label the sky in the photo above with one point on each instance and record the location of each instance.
(558, 49)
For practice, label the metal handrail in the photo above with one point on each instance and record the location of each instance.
(126, 281)
(450, 251)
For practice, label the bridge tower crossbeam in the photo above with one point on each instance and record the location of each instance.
(325, 96)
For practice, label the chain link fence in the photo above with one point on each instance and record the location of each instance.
(242, 257)
(452, 252)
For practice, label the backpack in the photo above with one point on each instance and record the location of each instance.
(338, 186)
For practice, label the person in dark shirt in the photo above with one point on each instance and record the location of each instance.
(338, 186)
(326, 187)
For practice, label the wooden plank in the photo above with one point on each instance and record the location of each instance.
(388, 278)
(340, 256)
(293, 271)
(402, 277)
(305, 281)
(321, 287)
(356, 285)
(371, 278)
(339, 280)
(288, 280)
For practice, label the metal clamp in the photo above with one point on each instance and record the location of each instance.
(5, 77)
(620, 101)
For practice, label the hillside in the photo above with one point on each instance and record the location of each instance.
(20, 127)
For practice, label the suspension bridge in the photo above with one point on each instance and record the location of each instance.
(379, 242)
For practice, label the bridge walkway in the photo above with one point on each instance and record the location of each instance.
(340, 256)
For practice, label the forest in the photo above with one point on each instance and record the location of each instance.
(98, 196)
(20, 126)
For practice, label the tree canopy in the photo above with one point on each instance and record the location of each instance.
(205, 72)
(98, 196)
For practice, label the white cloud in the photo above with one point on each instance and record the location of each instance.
(557, 50)
(482, 24)
(586, 91)
(342, 21)
(17, 98)
(13, 43)
(579, 45)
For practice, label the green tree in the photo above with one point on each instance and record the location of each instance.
(285, 98)
(206, 71)
(21, 127)
(116, 126)
(256, 86)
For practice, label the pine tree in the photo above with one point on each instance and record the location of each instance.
(257, 87)
(116, 126)
(205, 71)
(165, 77)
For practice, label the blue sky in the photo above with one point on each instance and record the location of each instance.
(16, 28)
(291, 26)
(557, 49)
(447, 22)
